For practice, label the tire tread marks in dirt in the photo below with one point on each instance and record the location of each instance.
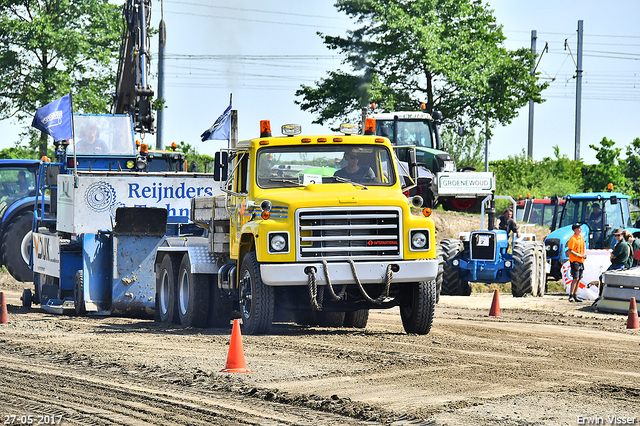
(524, 276)
(99, 399)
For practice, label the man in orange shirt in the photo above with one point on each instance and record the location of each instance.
(576, 248)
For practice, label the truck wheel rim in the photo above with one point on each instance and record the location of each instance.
(164, 292)
(245, 295)
(184, 292)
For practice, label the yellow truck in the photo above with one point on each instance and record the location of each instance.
(314, 229)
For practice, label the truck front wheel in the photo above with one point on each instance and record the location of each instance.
(418, 307)
(257, 300)
(16, 247)
(193, 296)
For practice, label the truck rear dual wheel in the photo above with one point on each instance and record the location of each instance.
(16, 247)
(418, 307)
(166, 289)
(524, 275)
(257, 300)
(193, 296)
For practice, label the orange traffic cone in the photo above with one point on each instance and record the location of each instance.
(632, 321)
(495, 305)
(235, 359)
(4, 317)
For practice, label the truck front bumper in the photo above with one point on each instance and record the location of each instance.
(340, 273)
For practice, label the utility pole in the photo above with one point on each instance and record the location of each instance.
(534, 36)
(162, 41)
(578, 91)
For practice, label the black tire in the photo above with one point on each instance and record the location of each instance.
(257, 300)
(439, 277)
(356, 319)
(542, 262)
(330, 319)
(78, 293)
(451, 283)
(27, 298)
(524, 273)
(193, 296)
(166, 291)
(418, 307)
(16, 247)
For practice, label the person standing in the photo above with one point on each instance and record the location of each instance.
(620, 254)
(576, 247)
(634, 247)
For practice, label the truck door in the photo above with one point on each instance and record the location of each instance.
(239, 214)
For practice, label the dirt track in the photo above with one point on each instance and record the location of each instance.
(542, 362)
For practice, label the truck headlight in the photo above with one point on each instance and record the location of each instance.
(278, 242)
(507, 264)
(419, 240)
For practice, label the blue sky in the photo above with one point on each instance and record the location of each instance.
(263, 51)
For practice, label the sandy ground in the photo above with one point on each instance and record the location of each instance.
(542, 362)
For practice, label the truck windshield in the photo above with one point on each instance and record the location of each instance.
(103, 135)
(590, 212)
(415, 132)
(16, 183)
(286, 166)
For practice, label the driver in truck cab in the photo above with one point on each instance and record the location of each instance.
(353, 171)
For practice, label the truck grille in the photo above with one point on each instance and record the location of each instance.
(483, 246)
(349, 233)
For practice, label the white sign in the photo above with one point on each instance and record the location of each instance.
(91, 205)
(307, 179)
(46, 254)
(483, 241)
(466, 183)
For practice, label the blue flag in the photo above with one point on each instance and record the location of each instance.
(55, 119)
(221, 129)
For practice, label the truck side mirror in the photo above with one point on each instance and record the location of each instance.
(413, 166)
(220, 166)
(461, 131)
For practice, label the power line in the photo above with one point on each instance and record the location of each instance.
(255, 10)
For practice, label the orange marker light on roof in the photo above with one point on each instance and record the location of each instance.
(45, 159)
(610, 187)
(137, 143)
(174, 146)
(423, 106)
(144, 149)
(265, 128)
(370, 126)
(373, 106)
(322, 139)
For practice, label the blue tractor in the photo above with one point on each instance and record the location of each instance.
(599, 213)
(483, 256)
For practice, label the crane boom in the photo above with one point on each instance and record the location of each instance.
(133, 93)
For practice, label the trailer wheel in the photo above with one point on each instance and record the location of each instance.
(166, 291)
(451, 282)
(78, 293)
(524, 275)
(418, 306)
(193, 296)
(357, 319)
(16, 247)
(27, 298)
(257, 300)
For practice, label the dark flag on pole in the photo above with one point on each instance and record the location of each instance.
(221, 129)
(55, 119)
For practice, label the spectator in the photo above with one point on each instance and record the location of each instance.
(576, 247)
(634, 249)
(620, 254)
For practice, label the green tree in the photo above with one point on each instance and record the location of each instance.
(631, 166)
(441, 52)
(468, 150)
(52, 47)
(607, 170)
